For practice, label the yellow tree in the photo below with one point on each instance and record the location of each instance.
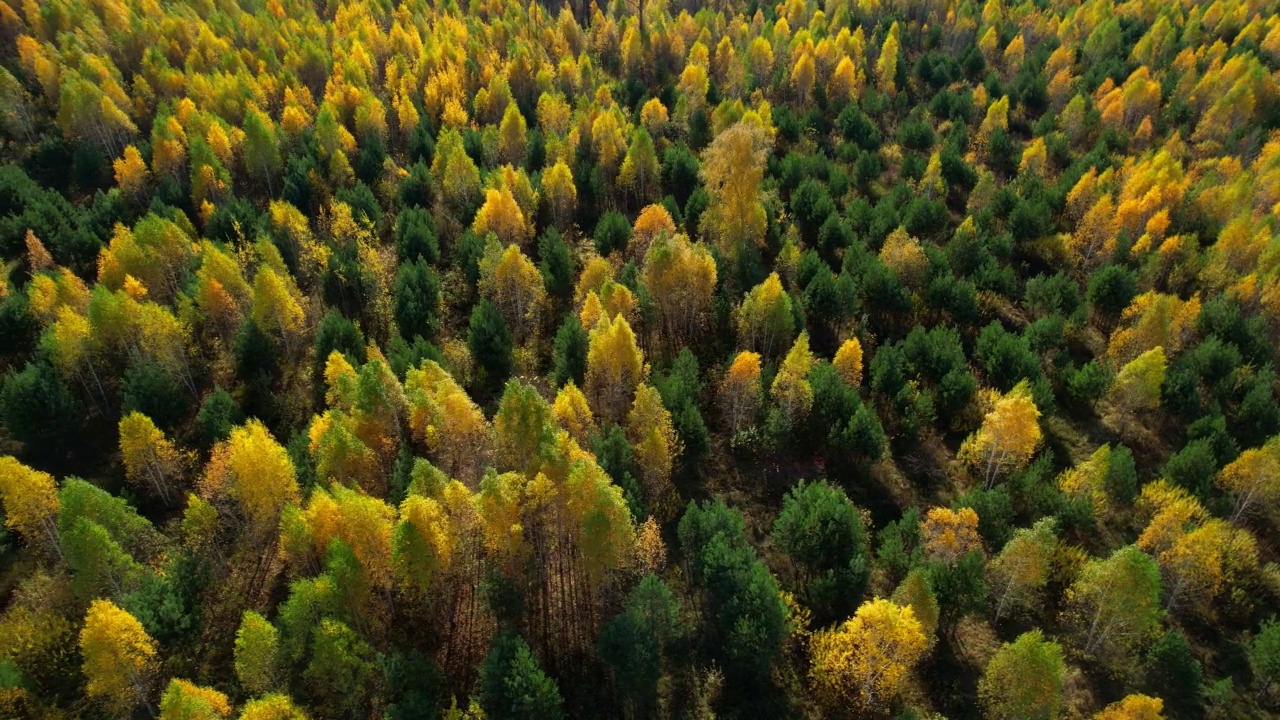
(653, 435)
(574, 413)
(30, 500)
(1154, 320)
(844, 84)
(615, 366)
(502, 216)
(905, 256)
(681, 278)
(511, 136)
(790, 390)
(560, 192)
(1133, 707)
(272, 707)
(653, 220)
(1137, 385)
(848, 362)
(184, 700)
(740, 391)
(513, 283)
(119, 657)
(887, 63)
(864, 662)
(732, 170)
(1009, 435)
(254, 470)
(803, 76)
(1199, 556)
(150, 459)
(950, 534)
(131, 172)
(765, 319)
(1254, 478)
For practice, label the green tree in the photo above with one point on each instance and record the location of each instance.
(416, 294)
(256, 651)
(513, 685)
(634, 641)
(1024, 680)
(1172, 672)
(1264, 656)
(1115, 604)
(340, 669)
(750, 619)
(822, 533)
(489, 340)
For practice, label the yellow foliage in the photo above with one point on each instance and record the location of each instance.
(864, 663)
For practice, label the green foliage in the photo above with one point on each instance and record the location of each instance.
(490, 343)
(513, 684)
(822, 534)
(569, 357)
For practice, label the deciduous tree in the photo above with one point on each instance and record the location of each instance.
(119, 657)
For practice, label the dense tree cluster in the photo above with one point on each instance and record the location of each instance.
(643, 359)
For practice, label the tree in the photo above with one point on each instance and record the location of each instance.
(864, 662)
(184, 700)
(950, 534)
(256, 653)
(766, 320)
(656, 446)
(887, 63)
(131, 172)
(790, 390)
(253, 469)
(1024, 679)
(1115, 604)
(639, 172)
(513, 283)
(272, 707)
(513, 685)
(417, 298)
(1172, 672)
(341, 667)
(681, 278)
(512, 141)
(1009, 435)
(741, 391)
(150, 459)
(119, 657)
(750, 617)
(732, 170)
(559, 191)
(1264, 656)
(615, 366)
(822, 533)
(1254, 478)
(501, 215)
(1137, 385)
(261, 148)
(1021, 570)
(848, 361)
(634, 641)
(1133, 707)
(489, 340)
(30, 500)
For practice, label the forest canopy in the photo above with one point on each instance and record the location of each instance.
(639, 359)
